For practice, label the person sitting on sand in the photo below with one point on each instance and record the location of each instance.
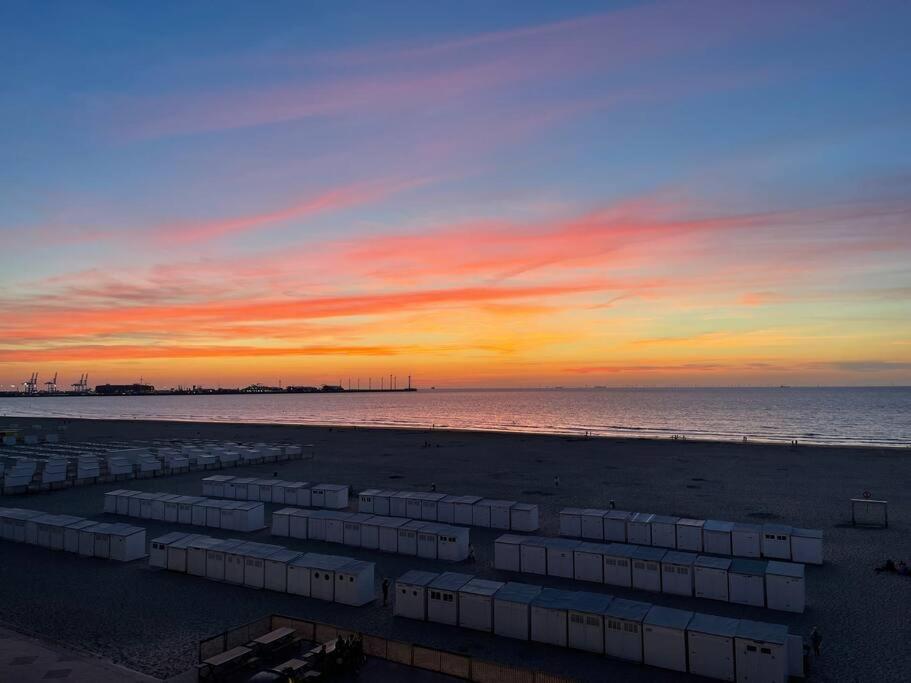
(888, 566)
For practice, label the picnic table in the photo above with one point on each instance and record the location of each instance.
(227, 660)
(277, 636)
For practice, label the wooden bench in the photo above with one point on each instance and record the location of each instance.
(229, 660)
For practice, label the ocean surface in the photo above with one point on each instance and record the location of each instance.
(846, 416)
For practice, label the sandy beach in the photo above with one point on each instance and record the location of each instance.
(150, 620)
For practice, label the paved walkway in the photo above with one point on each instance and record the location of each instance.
(28, 660)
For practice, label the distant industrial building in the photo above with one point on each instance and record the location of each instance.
(123, 389)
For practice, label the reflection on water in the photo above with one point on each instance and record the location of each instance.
(874, 416)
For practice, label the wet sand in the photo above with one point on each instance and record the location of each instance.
(150, 619)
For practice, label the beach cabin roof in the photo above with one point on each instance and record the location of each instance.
(187, 540)
(631, 610)
(190, 500)
(560, 543)
(593, 548)
(618, 514)
(482, 587)
(523, 593)
(414, 525)
(510, 539)
(219, 478)
(524, 506)
(263, 551)
(369, 492)
(167, 539)
(285, 555)
(620, 550)
(552, 598)
(648, 553)
(668, 617)
(495, 503)
(591, 603)
(126, 530)
(331, 487)
(685, 521)
(641, 517)
(713, 562)
(417, 578)
(358, 517)
(762, 632)
(679, 557)
(792, 569)
(325, 562)
(355, 566)
(572, 511)
(468, 500)
(430, 496)
(206, 542)
(714, 625)
(227, 544)
(451, 581)
(717, 525)
(752, 567)
(81, 524)
(777, 529)
(593, 512)
(245, 480)
(392, 522)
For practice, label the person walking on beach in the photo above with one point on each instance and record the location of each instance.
(385, 592)
(556, 481)
(433, 486)
(815, 640)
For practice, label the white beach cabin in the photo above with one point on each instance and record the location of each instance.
(381, 502)
(746, 582)
(716, 537)
(127, 543)
(550, 616)
(785, 586)
(664, 637)
(533, 555)
(281, 522)
(677, 572)
(453, 543)
(411, 594)
(586, 621)
(647, 568)
(615, 525)
(276, 578)
(398, 503)
(746, 540)
(316, 524)
(408, 537)
(443, 597)
(178, 552)
(592, 524)
(389, 532)
(710, 576)
(507, 553)
(197, 555)
(710, 645)
(298, 576)
(476, 604)
(664, 531)
(623, 628)
(512, 610)
(365, 502)
(639, 528)
(524, 517)
(498, 514)
(71, 534)
(235, 561)
(304, 495)
(571, 522)
(322, 574)
(446, 509)
(430, 506)
(352, 529)
(463, 509)
(299, 523)
(761, 652)
(560, 556)
(776, 541)
(428, 539)
(215, 558)
(690, 534)
(618, 564)
(158, 549)
(355, 583)
(588, 562)
(214, 486)
(335, 525)
(255, 564)
(332, 496)
(806, 546)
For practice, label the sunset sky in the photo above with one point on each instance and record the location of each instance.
(473, 193)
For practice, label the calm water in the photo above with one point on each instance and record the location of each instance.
(880, 416)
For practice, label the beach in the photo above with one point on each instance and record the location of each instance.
(151, 620)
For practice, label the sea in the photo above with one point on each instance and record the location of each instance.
(875, 416)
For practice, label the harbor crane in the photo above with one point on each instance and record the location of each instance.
(51, 385)
(30, 386)
(82, 386)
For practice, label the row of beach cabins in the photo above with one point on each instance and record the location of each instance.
(771, 541)
(55, 466)
(299, 493)
(760, 583)
(261, 565)
(430, 540)
(120, 542)
(702, 644)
